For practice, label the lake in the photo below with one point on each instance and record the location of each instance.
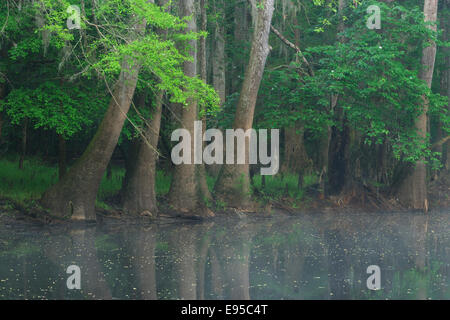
(312, 256)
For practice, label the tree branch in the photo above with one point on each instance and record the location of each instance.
(440, 142)
(293, 46)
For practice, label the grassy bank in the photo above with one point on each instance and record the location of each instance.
(36, 176)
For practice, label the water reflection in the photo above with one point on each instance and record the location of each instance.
(322, 256)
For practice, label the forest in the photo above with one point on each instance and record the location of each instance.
(350, 98)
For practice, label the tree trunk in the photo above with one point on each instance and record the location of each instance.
(241, 32)
(139, 193)
(218, 65)
(233, 184)
(218, 56)
(343, 166)
(295, 158)
(1, 125)
(24, 144)
(74, 196)
(203, 185)
(413, 189)
(446, 85)
(62, 156)
(325, 152)
(2, 95)
(185, 194)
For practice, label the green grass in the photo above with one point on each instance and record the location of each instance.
(163, 181)
(28, 183)
(278, 186)
(36, 177)
(110, 187)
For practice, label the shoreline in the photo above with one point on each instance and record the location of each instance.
(31, 212)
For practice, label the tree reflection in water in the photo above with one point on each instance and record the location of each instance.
(322, 256)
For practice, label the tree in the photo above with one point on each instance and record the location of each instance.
(74, 196)
(218, 58)
(233, 184)
(66, 109)
(186, 194)
(413, 189)
(139, 193)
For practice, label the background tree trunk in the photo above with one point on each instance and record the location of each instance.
(233, 184)
(327, 141)
(23, 150)
(341, 177)
(446, 83)
(1, 125)
(413, 189)
(218, 64)
(62, 156)
(2, 96)
(218, 55)
(185, 194)
(203, 185)
(296, 160)
(139, 194)
(241, 38)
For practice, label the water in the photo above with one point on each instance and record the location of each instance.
(320, 256)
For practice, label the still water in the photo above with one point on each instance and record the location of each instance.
(316, 256)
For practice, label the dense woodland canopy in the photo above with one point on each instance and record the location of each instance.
(363, 112)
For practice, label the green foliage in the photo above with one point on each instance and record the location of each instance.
(63, 108)
(118, 40)
(282, 187)
(375, 75)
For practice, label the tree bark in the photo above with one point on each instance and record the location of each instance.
(446, 86)
(74, 196)
(295, 158)
(241, 32)
(138, 190)
(413, 189)
(1, 125)
(185, 194)
(2, 95)
(233, 184)
(24, 143)
(139, 194)
(326, 145)
(218, 56)
(343, 166)
(217, 65)
(203, 185)
(62, 156)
